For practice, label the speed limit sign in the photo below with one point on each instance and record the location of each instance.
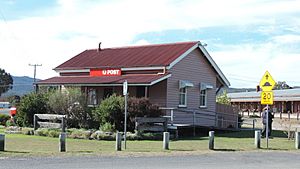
(266, 98)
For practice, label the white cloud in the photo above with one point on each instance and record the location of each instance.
(245, 64)
(289, 38)
(74, 26)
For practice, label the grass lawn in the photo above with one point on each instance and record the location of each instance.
(24, 145)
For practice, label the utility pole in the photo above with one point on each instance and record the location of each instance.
(34, 73)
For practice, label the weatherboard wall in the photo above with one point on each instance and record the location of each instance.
(196, 69)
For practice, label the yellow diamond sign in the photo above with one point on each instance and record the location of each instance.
(267, 82)
(267, 98)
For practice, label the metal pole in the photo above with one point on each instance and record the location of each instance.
(267, 127)
(118, 141)
(166, 139)
(257, 139)
(172, 117)
(194, 123)
(211, 142)
(125, 122)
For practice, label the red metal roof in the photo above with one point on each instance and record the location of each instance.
(132, 79)
(132, 56)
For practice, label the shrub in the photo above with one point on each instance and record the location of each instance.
(34, 103)
(111, 110)
(3, 119)
(47, 132)
(9, 123)
(53, 133)
(79, 134)
(27, 131)
(140, 107)
(100, 135)
(72, 103)
(107, 127)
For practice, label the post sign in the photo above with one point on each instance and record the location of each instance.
(105, 72)
(125, 88)
(267, 98)
(267, 82)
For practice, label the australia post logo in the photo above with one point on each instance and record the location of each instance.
(105, 72)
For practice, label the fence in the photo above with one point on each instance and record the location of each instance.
(224, 117)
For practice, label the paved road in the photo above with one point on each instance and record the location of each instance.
(219, 160)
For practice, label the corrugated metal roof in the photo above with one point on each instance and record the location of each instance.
(104, 80)
(279, 95)
(132, 56)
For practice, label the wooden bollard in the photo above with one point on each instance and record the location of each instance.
(166, 140)
(211, 140)
(297, 140)
(118, 141)
(257, 139)
(62, 142)
(2, 142)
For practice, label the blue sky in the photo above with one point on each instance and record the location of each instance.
(245, 38)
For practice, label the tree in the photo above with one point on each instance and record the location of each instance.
(281, 85)
(223, 98)
(6, 81)
(33, 103)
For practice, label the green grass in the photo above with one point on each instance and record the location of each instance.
(24, 145)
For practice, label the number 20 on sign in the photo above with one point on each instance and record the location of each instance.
(266, 98)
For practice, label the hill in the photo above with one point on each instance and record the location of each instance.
(22, 85)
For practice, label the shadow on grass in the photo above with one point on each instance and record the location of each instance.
(174, 149)
(82, 151)
(224, 149)
(248, 134)
(280, 149)
(17, 152)
(191, 138)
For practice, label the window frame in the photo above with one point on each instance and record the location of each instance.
(203, 97)
(92, 97)
(184, 94)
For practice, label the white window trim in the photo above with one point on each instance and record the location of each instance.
(203, 106)
(185, 99)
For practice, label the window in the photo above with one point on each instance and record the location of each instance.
(140, 91)
(182, 97)
(107, 92)
(203, 98)
(92, 97)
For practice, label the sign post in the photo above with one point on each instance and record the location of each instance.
(267, 84)
(125, 92)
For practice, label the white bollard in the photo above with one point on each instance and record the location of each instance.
(62, 142)
(257, 139)
(297, 140)
(166, 140)
(2, 142)
(211, 140)
(118, 141)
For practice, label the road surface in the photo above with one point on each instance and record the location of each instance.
(219, 160)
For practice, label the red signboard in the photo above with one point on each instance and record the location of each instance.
(105, 72)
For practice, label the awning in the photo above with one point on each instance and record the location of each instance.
(205, 86)
(138, 80)
(185, 83)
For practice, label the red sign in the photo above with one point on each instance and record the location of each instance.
(13, 111)
(106, 72)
